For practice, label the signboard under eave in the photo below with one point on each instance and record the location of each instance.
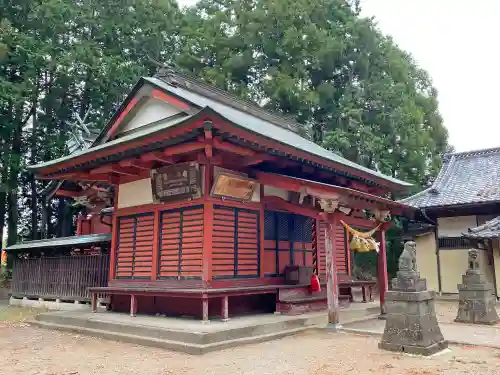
(176, 182)
(234, 185)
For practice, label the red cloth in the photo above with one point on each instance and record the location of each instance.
(315, 287)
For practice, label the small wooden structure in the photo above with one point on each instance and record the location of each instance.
(214, 197)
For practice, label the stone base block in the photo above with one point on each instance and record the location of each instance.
(418, 350)
(476, 306)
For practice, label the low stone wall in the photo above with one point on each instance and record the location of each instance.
(50, 304)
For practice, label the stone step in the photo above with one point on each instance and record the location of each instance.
(189, 337)
(184, 347)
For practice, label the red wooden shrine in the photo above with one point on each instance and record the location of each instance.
(214, 197)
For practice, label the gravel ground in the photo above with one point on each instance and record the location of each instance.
(27, 350)
(446, 311)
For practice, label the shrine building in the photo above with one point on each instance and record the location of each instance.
(215, 207)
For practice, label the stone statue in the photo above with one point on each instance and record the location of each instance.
(476, 300)
(411, 324)
(408, 258)
(473, 262)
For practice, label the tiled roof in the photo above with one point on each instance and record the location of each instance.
(247, 116)
(72, 241)
(490, 229)
(465, 178)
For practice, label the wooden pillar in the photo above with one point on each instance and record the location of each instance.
(208, 220)
(224, 309)
(114, 238)
(204, 304)
(94, 302)
(332, 285)
(383, 281)
(133, 305)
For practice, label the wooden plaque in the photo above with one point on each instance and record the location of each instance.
(176, 182)
(233, 186)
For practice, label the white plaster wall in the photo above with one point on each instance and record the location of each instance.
(153, 110)
(455, 226)
(135, 193)
(276, 192)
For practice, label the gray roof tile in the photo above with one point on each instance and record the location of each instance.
(466, 177)
(490, 229)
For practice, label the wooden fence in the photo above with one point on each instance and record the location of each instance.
(64, 277)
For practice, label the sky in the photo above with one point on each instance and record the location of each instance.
(456, 41)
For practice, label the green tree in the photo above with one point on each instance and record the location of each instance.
(352, 88)
(59, 58)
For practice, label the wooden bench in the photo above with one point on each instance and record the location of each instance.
(365, 285)
(203, 293)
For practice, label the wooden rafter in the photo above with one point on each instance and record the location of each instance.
(112, 168)
(157, 156)
(184, 148)
(137, 163)
(229, 147)
(67, 193)
(257, 159)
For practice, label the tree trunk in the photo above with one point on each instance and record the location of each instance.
(2, 216)
(12, 183)
(34, 206)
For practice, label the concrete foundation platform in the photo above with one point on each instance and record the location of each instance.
(55, 305)
(189, 335)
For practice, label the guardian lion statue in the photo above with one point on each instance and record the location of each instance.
(408, 258)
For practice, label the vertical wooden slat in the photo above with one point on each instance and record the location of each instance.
(208, 217)
(156, 246)
(261, 236)
(65, 277)
(114, 244)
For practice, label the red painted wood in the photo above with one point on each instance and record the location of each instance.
(383, 282)
(137, 163)
(167, 133)
(114, 237)
(232, 148)
(125, 112)
(291, 184)
(277, 204)
(262, 270)
(161, 95)
(156, 242)
(208, 218)
(157, 156)
(68, 193)
(184, 148)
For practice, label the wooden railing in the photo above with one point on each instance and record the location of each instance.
(64, 277)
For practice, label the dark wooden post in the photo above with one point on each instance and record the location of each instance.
(332, 286)
(133, 305)
(94, 302)
(224, 309)
(383, 282)
(204, 304)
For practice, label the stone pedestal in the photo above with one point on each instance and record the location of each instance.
(411, 325)
(476, 300)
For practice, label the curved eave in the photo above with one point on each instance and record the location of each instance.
(114, 150)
